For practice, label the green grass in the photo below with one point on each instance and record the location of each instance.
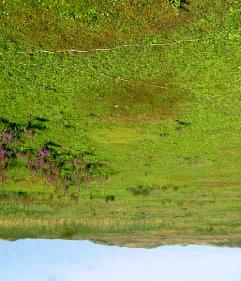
(165, 117)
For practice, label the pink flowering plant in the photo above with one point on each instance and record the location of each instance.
(3, 164)
(55, 164)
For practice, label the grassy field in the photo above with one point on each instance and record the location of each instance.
(120, 121)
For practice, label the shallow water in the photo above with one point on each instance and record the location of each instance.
(63, 260)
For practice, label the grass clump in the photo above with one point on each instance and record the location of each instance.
(140, 190)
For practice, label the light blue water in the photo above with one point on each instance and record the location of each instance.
(63, 260)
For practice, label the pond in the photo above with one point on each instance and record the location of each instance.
(68, 260)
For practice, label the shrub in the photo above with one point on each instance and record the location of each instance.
(57, 165)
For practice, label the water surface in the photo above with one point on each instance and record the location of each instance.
(63, 260)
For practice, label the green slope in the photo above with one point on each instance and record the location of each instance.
(153, 119)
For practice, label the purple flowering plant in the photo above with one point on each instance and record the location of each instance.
(6, 136)
(55, 165)
(2, 153)
(43, 153)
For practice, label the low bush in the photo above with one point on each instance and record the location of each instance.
(57, 165)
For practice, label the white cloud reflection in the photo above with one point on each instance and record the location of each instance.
(62, 260)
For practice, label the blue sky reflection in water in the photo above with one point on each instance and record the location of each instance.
(63, 260)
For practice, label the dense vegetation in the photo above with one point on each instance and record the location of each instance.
(120, 117)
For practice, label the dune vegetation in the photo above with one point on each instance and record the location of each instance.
(121, 120)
